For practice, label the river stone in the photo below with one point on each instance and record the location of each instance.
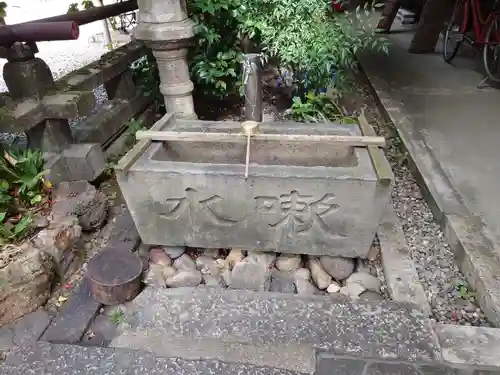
(226, 276)
(158, 256)
(235, 255)
(204, 261)
(184, 278)
(282, 282)
(333, 287)
(305, 287)
(184, 262)
(264, 259)
(303, 273)
(368, 281)
(352, 290)
(213, 253)
(339, 268)
(211, 280)
(318, 274)
(154, 276)
(59, 237)
(371, 296)
(174, 252)
(251, 275)
(26, 277)
(168, 271)
(288, 262)
(82, 199)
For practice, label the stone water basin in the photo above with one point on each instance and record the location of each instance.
(307, 198)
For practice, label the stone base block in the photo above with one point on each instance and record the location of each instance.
(84, 161)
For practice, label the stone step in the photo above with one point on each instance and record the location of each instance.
(272, 329)
(43, 358)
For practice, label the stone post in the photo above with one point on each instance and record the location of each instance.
(165, 27)
(27, 76)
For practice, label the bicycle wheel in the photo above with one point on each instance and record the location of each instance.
(491, 51)
(454, 37)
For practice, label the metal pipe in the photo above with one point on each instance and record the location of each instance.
(39, 32)
(91, 15)
(252, 85)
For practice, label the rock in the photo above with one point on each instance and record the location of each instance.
(26, 277)
(40, 221)
(373, 253)
(174, 252)
(226, 276)
(318, 274)
(81, 199)
(184, 278)
(213, 253)
(303, 284)
(282, 282)
(362, 266)
(371, 296)
(288, 262)
(210, 280)
(169, 272)
(303, 273)
(339, 268)
(159, 257)
(154, 276)
(235, 255)
(59, 236)
(369, 282)
(204, 261)
(352, 290)
(305, 287)
(251, 275)
(333, 288)
(265, 259)
(184, 262)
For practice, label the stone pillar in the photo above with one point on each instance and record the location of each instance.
(165, 27)
(27, 76)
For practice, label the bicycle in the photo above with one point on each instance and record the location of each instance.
(467, 25)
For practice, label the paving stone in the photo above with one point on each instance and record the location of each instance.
(250, 276)
(74, 318)
(25, 330)
(383, 329)
(124, 233)
(49, 359)
(391, 369)
(101, 332)
(282, 282)
(466, 345)
(328, 365)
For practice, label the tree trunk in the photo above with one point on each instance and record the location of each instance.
(105, 27)
(391, 8)
(431, 23)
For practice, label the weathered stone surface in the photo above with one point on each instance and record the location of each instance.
(210, 280)
(332, 212)
(45, 359)
(288, 262)
(282, 282)
(330, 365)
(83, 200)
(101, 332)
(24, 331)
(320, 277)
(250, 275)
(58, 237)
(337, 267)
(465, 345)
(155, 277)
(391, 369)
(169, 271)
(214, 253)
(234, 256)
(184, 262)
(369, 282)
(185, 277)
(124, 233)
(174, 252)
(303, 284)
(400, 273)
(74, 317)
(159, 257)
(384, 330)
(333, 288)
(352, 290)
(371, 296)
(26, 277)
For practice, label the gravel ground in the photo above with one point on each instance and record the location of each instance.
(449, 294)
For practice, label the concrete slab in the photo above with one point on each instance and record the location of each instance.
(450, 129)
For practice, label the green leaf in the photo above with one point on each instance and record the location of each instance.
(23, 224)
(36, 199)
